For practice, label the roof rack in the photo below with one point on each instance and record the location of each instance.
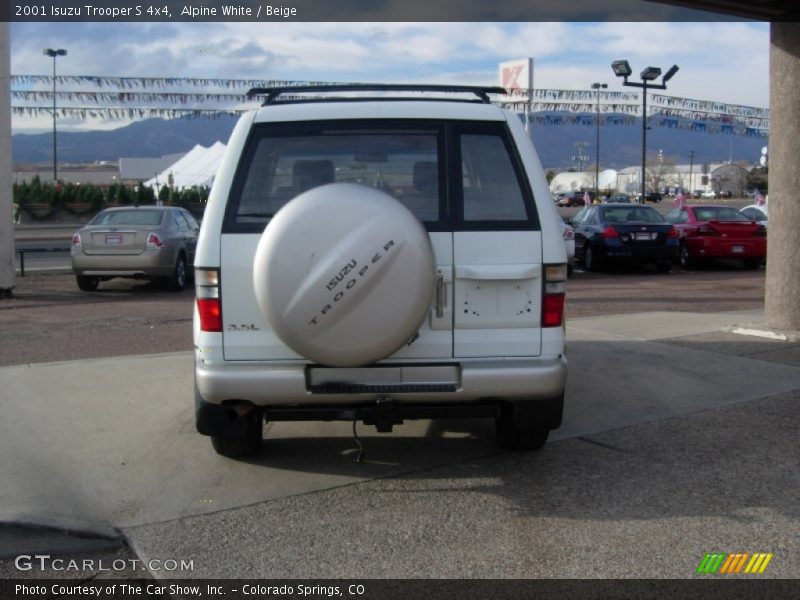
(272, 94)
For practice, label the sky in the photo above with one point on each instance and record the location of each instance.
(725, 62)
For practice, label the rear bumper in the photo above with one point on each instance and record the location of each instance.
(639, 253)
(713, 247)
(265, 384)
(149, 263)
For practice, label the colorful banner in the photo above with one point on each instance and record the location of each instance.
(168, 97)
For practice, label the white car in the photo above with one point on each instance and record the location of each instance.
(756, 212)
(379, 258)
(569, 243)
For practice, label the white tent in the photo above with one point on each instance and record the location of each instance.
(196, 168)
(583, 180)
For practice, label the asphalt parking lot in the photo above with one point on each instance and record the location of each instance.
(679, 439)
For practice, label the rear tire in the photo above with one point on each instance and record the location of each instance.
(589, 259)
(177, 281)
(519, 440)
(246, 441)
(685, 258)
(752, 263)
(87, 284)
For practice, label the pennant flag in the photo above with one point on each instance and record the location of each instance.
(760, 201)
(587, 199)
(680, 200)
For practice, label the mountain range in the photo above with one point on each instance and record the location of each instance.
(620, 145)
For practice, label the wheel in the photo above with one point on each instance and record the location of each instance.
(520, 440)
(589, 259)
(685, 257)
(664, 266)
(177, 281)
(87, 284)
(752, 263)
(244, 439)
(325, 300)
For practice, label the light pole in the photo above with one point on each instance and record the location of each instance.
(54, 54)
(598, 87)
(621, 68)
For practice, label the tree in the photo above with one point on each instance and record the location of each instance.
(661, 172)
(758, 178)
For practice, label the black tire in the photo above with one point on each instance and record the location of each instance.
(685, 257)
(519, 440)
(246, 438)
(664, 266)
(752, 263)
(589, 259)
(177, 281)
(87, 284)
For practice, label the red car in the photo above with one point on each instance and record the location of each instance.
(709, 232)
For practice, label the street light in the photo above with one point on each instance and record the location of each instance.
(598, 87)
(54, 54)
(622, 69)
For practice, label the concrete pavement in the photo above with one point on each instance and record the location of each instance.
(676, 435)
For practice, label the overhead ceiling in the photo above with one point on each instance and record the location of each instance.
(762, 10)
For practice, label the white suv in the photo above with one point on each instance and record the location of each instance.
(378, 253)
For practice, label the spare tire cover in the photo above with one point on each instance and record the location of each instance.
(344, 274)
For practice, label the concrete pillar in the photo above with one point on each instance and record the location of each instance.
(782, 302)
(6, 202)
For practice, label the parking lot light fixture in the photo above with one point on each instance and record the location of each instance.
(648, 76)
(54, 54)
(621, 68)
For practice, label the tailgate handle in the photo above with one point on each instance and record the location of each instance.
(440, 296)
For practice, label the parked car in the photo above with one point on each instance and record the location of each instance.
(709, 194)
(569, 243)
(576, 198)
(709, 232)
(617, 198)
(377, 259)
(144, 242)
(623, 233)
(756, 212)
(654, 197)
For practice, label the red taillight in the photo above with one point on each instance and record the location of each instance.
(555, 278)
(672, 233)
(705, 230)
(760, 231)
(553, 310)
(210, 311)
(609, 232)
(153, 241)
(209, 305)
(76, 239)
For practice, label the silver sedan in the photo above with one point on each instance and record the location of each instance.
(144, 242)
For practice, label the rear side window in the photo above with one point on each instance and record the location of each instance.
(282, 161)
(491, 188)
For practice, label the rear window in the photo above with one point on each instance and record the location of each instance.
(149, 218)
(452, 175)
(718, 213)
(623, 214)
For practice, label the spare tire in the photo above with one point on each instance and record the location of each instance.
(344, 274)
